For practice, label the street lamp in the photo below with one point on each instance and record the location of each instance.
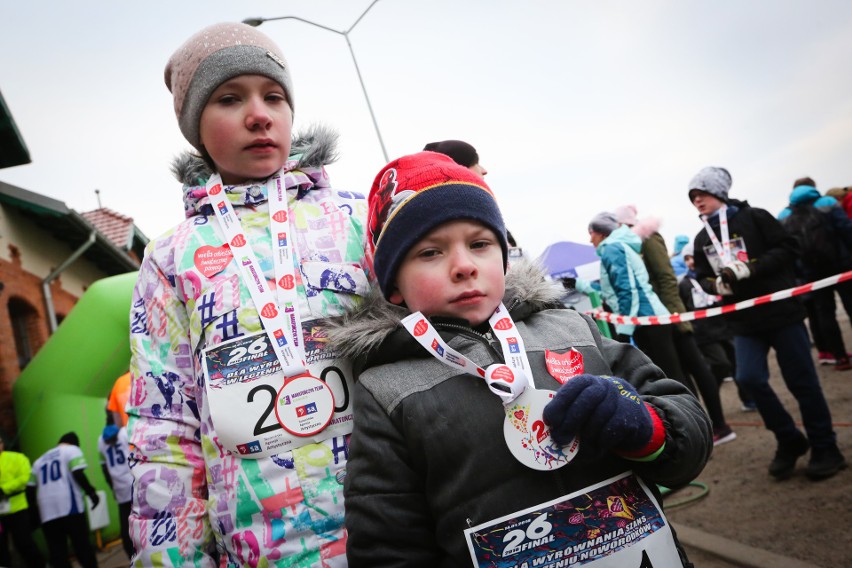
(257, 21)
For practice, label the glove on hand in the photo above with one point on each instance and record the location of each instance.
(722, 288)
(604, 412)
(94, 499)
(737, 270)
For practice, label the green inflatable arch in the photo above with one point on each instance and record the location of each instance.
(66, 385)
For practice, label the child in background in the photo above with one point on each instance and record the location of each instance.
(431, 478)
(115, 453)
(223, 313)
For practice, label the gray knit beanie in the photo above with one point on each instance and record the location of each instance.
(712, 180)
(214, 55)
(604, 223)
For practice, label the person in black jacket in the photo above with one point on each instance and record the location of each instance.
(743, 253)
(450, 467)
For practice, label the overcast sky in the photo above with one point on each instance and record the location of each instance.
(574, 107)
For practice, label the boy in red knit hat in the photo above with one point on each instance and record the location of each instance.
(476, 393)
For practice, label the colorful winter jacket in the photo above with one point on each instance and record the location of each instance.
(624, 283)
(428, 456)
(194, 503)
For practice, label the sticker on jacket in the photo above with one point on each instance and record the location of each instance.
(243, 378)
(612, 524)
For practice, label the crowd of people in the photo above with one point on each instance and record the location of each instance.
(320, 378)
(743, 252)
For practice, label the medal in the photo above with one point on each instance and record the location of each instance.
(304, 405)
(526, 434)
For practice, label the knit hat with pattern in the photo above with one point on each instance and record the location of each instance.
(214, 55)
(414, 194)
(712, 180)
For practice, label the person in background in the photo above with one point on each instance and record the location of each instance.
(824, 233)
(625, 288)
(115, 464)
(844, 196)
(60, 480)
(14, 509)
(219, 323)
(461, 152)
(677, 262)
(711, 334)
(742, 253)
(664, 283)
(427, 492)
(118, 400)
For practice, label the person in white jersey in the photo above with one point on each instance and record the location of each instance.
(114, 450)
(60, 481)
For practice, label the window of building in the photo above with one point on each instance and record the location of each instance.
(24, 320)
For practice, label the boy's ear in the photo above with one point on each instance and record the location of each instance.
(395, 297)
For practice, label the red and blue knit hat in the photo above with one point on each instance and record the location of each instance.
(414, 194)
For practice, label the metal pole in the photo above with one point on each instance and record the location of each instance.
(258, 21)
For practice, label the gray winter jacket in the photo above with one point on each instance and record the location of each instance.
(428, 458)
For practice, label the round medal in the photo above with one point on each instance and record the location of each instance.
(528, 437)
(304, 405)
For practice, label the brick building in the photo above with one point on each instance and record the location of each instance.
(49, 255)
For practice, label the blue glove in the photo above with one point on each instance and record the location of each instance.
(605, 412)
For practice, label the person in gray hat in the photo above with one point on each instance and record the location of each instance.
(742, 253)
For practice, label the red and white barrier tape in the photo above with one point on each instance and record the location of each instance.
(711, 312)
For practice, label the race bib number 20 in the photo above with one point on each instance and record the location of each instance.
(243, 378)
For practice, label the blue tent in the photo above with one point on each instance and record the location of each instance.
(561, 259)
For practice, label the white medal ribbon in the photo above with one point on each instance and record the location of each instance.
(505, 382)
(283, 336)
(723, 248)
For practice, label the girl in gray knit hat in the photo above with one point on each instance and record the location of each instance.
(240, 413)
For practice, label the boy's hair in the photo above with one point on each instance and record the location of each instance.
(414, 194)
(212, 56)
(70, 438)
(461, 152)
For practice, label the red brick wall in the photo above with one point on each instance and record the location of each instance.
(24, 287)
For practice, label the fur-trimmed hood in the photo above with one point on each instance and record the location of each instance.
(312, 149)
(366, 328)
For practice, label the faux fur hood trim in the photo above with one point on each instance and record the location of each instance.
(365, 328)
(317, 146)
(646, 227)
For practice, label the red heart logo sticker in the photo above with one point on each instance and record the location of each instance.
(215, 189)
(503, 324)
(563, 366)
(280, 216)
(420, 328)
(238, 241)
(287, 282)
(269, 311)
(212, 260)
(519, 414)
(503, 373)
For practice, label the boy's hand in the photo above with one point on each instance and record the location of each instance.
(736, 270)
(605, 412)
(723, 288)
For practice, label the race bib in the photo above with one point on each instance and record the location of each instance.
(243, 381)
(612, 524)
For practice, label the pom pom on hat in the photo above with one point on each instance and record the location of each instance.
(626, 214)
(212, 56)
(462, 153)
(413, 195)
(713, 180)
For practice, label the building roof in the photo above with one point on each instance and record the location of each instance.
(74, 229)
(116, 227)
(13, 150)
